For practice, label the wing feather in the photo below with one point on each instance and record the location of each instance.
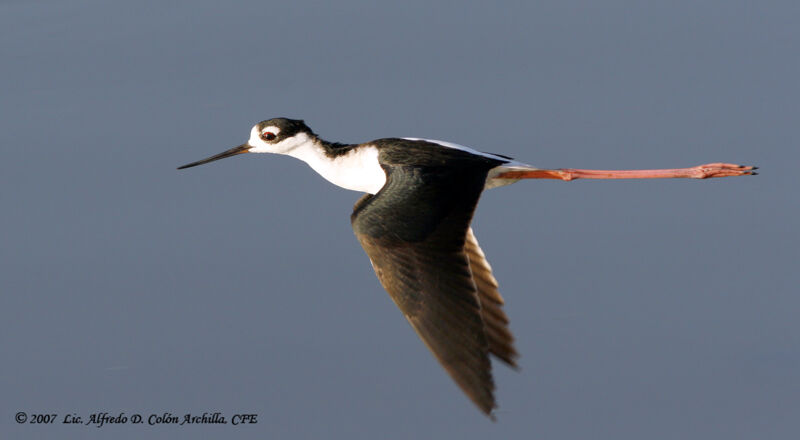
(501, 341)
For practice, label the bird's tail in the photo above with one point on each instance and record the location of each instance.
(510, 173)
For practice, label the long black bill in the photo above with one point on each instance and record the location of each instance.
(232, 152)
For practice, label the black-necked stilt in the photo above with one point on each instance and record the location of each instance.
(414, 224)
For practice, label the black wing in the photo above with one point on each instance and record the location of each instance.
(414, 232)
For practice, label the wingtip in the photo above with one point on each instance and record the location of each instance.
(489, 410)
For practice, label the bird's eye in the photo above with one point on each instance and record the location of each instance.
(268, 136)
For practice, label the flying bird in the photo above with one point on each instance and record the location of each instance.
(414, 224)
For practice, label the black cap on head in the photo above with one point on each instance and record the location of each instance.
(286, 127)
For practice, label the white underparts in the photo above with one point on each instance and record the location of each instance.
(357, 170)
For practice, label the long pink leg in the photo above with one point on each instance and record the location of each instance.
(698, 172)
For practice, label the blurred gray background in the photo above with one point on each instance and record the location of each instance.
(643, 309)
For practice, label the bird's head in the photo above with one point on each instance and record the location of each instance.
(278, 135)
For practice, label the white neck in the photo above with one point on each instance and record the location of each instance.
(357, 170)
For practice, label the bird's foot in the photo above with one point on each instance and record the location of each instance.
(720, 169)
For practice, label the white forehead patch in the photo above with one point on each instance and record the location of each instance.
(253, 135)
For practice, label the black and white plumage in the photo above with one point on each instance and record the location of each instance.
(414, 224)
